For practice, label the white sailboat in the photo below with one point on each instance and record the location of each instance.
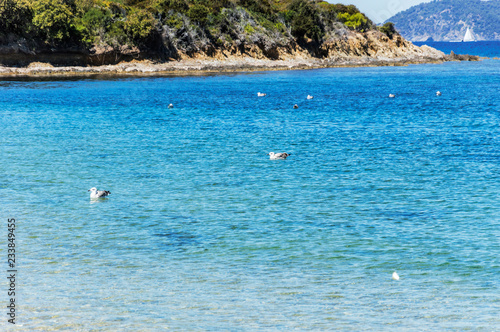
(468, 36)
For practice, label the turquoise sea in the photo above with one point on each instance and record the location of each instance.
(203, 232)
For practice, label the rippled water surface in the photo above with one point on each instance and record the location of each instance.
(480, 48)
(204, 232)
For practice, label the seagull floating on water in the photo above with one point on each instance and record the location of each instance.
(260, 94)
(94, 193)
(170, 105)
(279, 155)
(309, 97)
(438, 93)
(295, 106)
(392, 96)
(395, 276)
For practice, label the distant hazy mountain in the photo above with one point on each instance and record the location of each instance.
(447, 20)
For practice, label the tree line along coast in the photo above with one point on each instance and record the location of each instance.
(172, 28)
(101, 32)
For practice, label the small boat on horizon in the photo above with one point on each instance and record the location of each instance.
(468, 37)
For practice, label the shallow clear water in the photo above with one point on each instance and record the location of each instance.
(203, 232)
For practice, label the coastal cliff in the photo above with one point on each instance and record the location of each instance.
(173, 35)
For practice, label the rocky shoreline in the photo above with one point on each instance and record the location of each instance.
(206, 66)
(239, 36)
(359, 50)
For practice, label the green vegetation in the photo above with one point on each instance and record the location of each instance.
(139, 24)
(85, 23)
(52, 19)
(389, 29)
(304, 20)
(198, 13)
(355, 21)
(15, 16)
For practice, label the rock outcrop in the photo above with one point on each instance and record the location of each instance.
(351, 49)
(348, 47)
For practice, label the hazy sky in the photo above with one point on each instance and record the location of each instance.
(380, 10)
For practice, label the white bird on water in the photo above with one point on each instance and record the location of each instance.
(279, 155)
(94, 193)
(309, 97)
(260, 94)
(395, 276)
(438, 93)
(392, 96)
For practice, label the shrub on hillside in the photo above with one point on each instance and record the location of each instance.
(164, 6)
(15, 16)
(389, 29)
(356, 21)
(304, 20)
(139, 25)
(262, 7)
(53, 20)
(198, 13)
